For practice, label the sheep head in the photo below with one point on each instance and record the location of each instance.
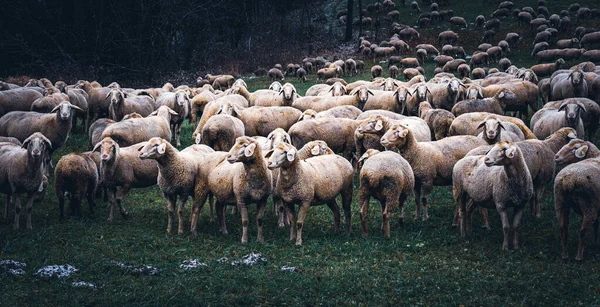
(501, 154)
(282, 155)
(63, 110)
(576, 76)
(474, 92)
(454, 87)
(396, 136)
(421, 91)
(572, 112)
(505, 95)
(572, 152)
(245, 149)
(491, 128)
(401, 93)
(369, 153)
(307, 115)
(182, 98)
(116, 95)
(109, 149)
(390, 84)
(373, 124)
(318, 148)
(289, 91)
(37, 144)
(154, 149)
(275, 86)
(276, 137)
(363, 94)
(337, 89)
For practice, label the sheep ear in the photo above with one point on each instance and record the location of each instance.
(249, 151)
(97, 146)
(162, 148)
(55, 108)
(501, 126)
(269, 153)
(300, 118)
(480, 93)
(581, 151)
(562, 106)
(582, 107)
(501, 94)
(198, 138)
(172, 112)
(237, 110)
(72, 106)
(315, 150)
(370, 93)
(291, 155)
(108, 94)
(409, 93)
(481, 125)
(379, 125)
(572, 135)
(511, 151)
(153, 113)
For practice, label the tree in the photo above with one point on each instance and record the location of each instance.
(349, 20)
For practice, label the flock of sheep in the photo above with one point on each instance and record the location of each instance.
(400, 137)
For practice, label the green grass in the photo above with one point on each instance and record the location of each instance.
(424, 263)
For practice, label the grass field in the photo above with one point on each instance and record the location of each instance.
(424, 263)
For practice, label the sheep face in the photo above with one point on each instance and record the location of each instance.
(401, 95)
(576, 77)
(504, 96)
(319, 148)
(421, 92)
(373, 124)
(474, 92)
(288, 91)
(116, 95)
(389, 84)
(491, 128)
(308, 114)
(454, 87)
(363, 94)
(36, 145)
(181, 98)
(244, 149)
(277, 137)
(108, 149)
(338, 89)
(572, 152)
(282, 155)
(63, 110)
(275, 86)
(155, 148)
(396, 136)
(501, 154)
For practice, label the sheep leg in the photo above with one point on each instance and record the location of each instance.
(111, 200)
(16, 199)
(401, 202)
(517, 215)
(61, 205)
(336, 214)
(180, 207)
(468, 221)
(505, 225)
(120, 194)
(364, 210)
(536, 209)
(200, 194)
(588, 219)
(30, 199)
(91, 191)
(170, 210)
(456, 219)
(417, 190)
(346, 205)
(387, 207)
(562, 214)
(427, 188)
(300, 223)
(244, 213)
(211, 204)
(291, 211)
(178, 134)
(262, 206)
(221, 217)
(484, 218)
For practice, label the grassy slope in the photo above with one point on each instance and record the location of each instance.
(423, 263)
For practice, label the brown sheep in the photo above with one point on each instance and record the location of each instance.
(544, 70)
(342, 141)
(376, 71)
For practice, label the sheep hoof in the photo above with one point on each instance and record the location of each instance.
(485, 227)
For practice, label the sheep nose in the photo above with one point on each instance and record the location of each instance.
(36, 152)
(104, 157)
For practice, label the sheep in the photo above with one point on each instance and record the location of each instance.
(526, 95)
(213, 107)
(390, 101)
(576, 186)
(476, 182)
(179, 102)
(19, 99)
(220, 132)
(376, 71)
(458, 22)
(438, 120)
(325, 73)
(316, 180)
(25, 174)
(177, 174)
(548, 120)
(223, 82)
(136, 130)
(447, 37)
(575, 151)
(56, 127)
(569, 85)
(394, 71)
(379, 52)
(268, 98)
(275, 74)
(420, 92)
(122, 104)
(445, 96)
(234, 183)
(121, 169)
(474, 91)
(487, 36)
(387, 177)
(466, 124)
(494, 53)
(198, 103)
(431, 162)
(358, 97)
(590, 117)
(589, 39)
(441, 60)
(452, 66)
(494, 104)
(512, 38)
(430, 49)
(98, 101)
(480, 58)
(543, 70)
(350, 112)
(464, 70)
(338, 133)
(478, 73)
(51, 99)
(75, 176)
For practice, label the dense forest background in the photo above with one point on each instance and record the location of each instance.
(142, 39)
